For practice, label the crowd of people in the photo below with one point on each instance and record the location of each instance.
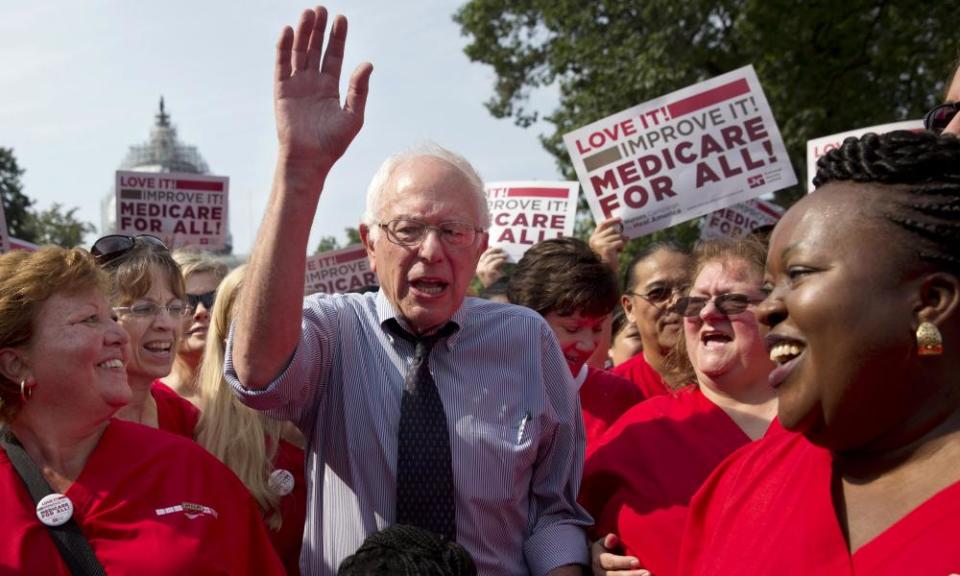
(783, 403)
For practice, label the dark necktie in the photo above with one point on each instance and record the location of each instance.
(425, 495)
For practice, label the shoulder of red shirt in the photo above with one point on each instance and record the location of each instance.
(174, 413)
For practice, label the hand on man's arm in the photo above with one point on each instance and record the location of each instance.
(313, 130)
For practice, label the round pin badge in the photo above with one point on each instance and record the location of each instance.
(281, 482)
(54, 510)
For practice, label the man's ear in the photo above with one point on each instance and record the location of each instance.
(13, 365)
(939, 298)
(368, 244)
(627, 304)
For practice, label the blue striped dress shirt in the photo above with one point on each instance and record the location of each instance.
(516, 432)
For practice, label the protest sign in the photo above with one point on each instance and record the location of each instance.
(820, 146)
(338, 271)
(4, 238)
(683, 155)
(740, 220)
(18, 244)
(524, 213)
(181, 209)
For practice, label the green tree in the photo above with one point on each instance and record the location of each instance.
(16, 205)
(59, 227)
(328, 243)
(825, 66)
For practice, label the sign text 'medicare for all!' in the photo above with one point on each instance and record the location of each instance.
(181, 209)
(683, 155)
(524, 213)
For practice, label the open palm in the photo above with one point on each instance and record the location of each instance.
(312, 127)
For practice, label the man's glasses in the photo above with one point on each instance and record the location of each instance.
(407, 232)
(109, 248)
(141, 310)
(660, 294)
(940, 116)
(728, 304)
(195, 300)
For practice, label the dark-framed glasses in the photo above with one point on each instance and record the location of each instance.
(661, 294)
(207, 299)
(141, 310)
(108, 248)
(728, 304)
(939, 117)
(409, 232)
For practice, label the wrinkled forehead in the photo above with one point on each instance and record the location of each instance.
(662, 266)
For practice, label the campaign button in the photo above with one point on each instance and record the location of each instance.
(54, 509)
(281, 482)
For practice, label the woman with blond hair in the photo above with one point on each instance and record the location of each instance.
(249, 442)
(202, 273)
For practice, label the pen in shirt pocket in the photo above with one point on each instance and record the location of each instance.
(523, 425)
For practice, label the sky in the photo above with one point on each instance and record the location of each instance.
(81, 81)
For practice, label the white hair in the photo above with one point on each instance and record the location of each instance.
(371, 217)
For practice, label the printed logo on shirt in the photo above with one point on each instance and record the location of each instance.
(189, 509)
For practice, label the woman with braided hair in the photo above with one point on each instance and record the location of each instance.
(864, 317)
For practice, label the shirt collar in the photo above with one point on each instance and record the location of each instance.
(386, 311)
(581, 377)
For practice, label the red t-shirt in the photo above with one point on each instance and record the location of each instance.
(604, 397)
(640, 373)
(175, 413)
(293, 508)
(639, 478)
(768, 509)
(149, 503)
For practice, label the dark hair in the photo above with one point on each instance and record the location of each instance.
(921, 170)
(498, 288)
(563, 275)
(618, 323)
(630, 275)
(402, 550)
(131, 272)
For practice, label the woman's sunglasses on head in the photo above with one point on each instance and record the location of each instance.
(108, 248)
(938, 118)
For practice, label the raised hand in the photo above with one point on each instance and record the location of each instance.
(607, 240)
(490, 266)
(313, 129)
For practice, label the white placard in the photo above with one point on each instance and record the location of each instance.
(820, 146)
(740, 220)
(683, 155)
(338, 271)
(179, 208)
(523, 213)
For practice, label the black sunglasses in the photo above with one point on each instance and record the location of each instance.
(109, 248)
(207, 299)
(938, 118)
(728, 304)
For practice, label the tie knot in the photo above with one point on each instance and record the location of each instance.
(423, 343)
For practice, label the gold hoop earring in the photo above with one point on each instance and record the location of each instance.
(929, 340)
(26, 392)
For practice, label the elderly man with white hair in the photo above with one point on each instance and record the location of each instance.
(420, 406)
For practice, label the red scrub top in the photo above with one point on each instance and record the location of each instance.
(175, 413)
(640, 373)
(604, 397)
(149, 503)
(768, 510)
(293, 508)
(639, 478)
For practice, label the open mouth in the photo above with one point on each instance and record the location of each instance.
(713, 338)
(111, 364)
(159, 347)
(429, 286)
(786, 354)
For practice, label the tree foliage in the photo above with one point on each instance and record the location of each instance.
(16, 205)
(59, 227)
(51, 226)
(328, 243)
(825, 66)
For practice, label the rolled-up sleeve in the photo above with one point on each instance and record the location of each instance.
(557, 521)
(295, 391)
